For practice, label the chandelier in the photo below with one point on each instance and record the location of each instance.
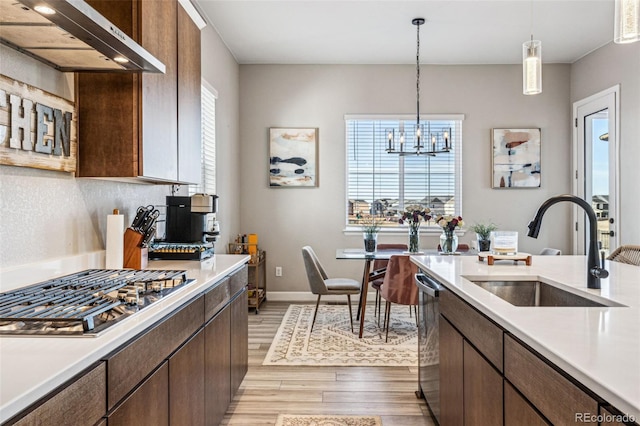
(437, 141)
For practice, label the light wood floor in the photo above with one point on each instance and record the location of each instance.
(271, 390)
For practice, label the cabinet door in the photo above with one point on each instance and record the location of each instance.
(451, 378)
(189, 104)
(159, 132)
(147, 405)
(239, 340)
(217, 383)
(482, 390)
(186, 383)
(518, 411)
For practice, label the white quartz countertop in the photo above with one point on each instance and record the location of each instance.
(31, 367)
(599, 347)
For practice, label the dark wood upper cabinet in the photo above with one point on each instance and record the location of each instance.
(128, 123)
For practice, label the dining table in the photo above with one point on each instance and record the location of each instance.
(368, 257)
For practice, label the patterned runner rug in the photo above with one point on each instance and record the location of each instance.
(333, 344)
(313, 420)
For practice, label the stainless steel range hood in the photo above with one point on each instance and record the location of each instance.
(73, 38)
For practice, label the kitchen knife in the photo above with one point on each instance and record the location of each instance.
(149, 221)
(148, 236)
(137, 220)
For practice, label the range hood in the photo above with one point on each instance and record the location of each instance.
(75, 37)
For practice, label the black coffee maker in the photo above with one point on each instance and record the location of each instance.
(187, 218)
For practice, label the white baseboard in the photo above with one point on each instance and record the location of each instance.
(305, 296)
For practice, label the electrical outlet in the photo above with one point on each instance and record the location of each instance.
(278, 271)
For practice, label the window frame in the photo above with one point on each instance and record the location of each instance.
(207, 144)
(430, 228)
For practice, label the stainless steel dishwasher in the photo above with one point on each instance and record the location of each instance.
(428, 343)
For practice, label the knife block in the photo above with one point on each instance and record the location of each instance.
(135, 256)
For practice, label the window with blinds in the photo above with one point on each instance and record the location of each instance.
(383, 184)
(208, 180)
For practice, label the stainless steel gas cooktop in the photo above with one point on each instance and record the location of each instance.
(84, 303)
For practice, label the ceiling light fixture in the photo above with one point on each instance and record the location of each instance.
(532, 64)
(440, 141)
(627, 21)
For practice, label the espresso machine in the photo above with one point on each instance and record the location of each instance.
(190, 231)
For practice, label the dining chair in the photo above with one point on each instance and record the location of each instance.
(321, 284)
(379, 269)
(398, 286)
(550, 252)
(629, 254)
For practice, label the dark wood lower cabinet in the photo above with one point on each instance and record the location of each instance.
(239, 340)
(451, 377)
(148, 405)
(186, 383)
(217, 369)
(482, 390)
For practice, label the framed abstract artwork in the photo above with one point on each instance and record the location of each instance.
(293, 157)
(515, 158)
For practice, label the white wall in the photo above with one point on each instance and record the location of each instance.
(610, 65)
(319, 96)
(47, 215)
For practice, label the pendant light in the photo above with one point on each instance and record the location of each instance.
(532, 64)
(627, 21)
(437, 141)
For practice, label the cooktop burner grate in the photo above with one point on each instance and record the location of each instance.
(84, 302)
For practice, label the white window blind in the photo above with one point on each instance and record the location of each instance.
(382, 184)
(208, 180)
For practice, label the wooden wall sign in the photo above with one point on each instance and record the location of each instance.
(37, 129)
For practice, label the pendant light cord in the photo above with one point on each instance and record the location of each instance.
(418, 75)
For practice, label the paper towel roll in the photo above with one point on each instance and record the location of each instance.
(115, 241)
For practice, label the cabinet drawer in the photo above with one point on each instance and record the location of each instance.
(82, 402)
(479, 330)
(134, 362)
(238, 280)
(215, 299)
(549, 391)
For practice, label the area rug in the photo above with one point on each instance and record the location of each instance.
(313, 420)
(333, 344)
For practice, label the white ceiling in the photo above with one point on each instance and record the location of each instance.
(380, 32)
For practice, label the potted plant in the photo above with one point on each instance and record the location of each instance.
(370, 228)
(483, 233)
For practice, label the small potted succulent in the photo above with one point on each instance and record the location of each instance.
(483, 233)
(370, 228)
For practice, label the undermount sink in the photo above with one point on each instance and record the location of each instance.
(538, 293)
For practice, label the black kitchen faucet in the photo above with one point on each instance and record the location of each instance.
(595, 270)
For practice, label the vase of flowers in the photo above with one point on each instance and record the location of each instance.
(414, 215)
(483, 235)
(370, 228)
(449, 239)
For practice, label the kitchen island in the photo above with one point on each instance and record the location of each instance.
(31, 368)
(597, 347)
